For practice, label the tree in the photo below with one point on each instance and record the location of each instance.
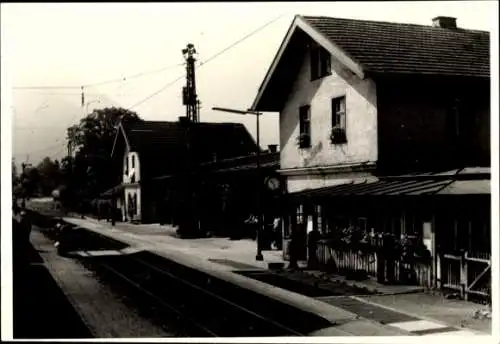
(30, 182)
(92, 139)
(50, 175)
(99, 128)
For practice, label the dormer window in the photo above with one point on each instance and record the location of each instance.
(126, 166)
(320, 62)
(133, 161)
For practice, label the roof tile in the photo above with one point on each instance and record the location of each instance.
(385, 47)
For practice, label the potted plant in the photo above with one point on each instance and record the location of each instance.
(338, 135)
(304, 140)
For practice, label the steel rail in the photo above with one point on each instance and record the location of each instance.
(158, 299)
(220, 298)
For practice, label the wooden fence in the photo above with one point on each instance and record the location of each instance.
(341, 261)
(467, 273)
(335, 260)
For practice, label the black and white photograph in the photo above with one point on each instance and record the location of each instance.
(263, 171)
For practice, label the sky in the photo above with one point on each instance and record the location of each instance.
(60, 45)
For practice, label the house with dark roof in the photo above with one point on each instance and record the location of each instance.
(361, 102)
(243, 185)
(227, 192)
(364, 95)
(151, 149)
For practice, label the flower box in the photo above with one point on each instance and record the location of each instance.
(338, 135)
(304, 140)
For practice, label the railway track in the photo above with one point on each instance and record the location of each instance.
(190, 303)
(196, 311)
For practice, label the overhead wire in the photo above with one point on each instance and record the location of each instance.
(201, 64)
(171, 83)
(133, 76)
(100, 83)
(156, 93)
(241, 40)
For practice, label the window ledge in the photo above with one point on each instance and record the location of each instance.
(337, 143)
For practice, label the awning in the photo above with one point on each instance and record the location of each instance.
(390, 187)
(468, 187)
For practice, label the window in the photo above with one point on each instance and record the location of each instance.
(305, 126)
(126, 165)
(319, 218)
(133, 161)
(338, 134)
(300, 214)
(320, 62)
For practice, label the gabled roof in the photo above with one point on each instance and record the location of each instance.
(373, 47)
(167, 140)
(155, 135)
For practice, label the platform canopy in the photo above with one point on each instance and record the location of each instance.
(457, 182)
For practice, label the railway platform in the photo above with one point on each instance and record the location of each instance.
(104, 314)
(234, 262)
(40, 308)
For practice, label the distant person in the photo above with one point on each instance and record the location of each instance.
(131, 211)
(58, 231)
(312, 244)
(252, 224)
(277, 233)
(63, 238)
(25, 228)
(82, 209)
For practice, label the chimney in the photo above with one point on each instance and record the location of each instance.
(272, 148)
(445, 22)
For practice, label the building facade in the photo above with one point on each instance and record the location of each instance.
(151, 149)
(363, 101)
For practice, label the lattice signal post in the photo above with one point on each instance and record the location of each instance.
(189, 96)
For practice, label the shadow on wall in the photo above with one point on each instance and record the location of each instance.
(432, 122)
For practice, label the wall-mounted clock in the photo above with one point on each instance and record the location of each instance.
(273, 183)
